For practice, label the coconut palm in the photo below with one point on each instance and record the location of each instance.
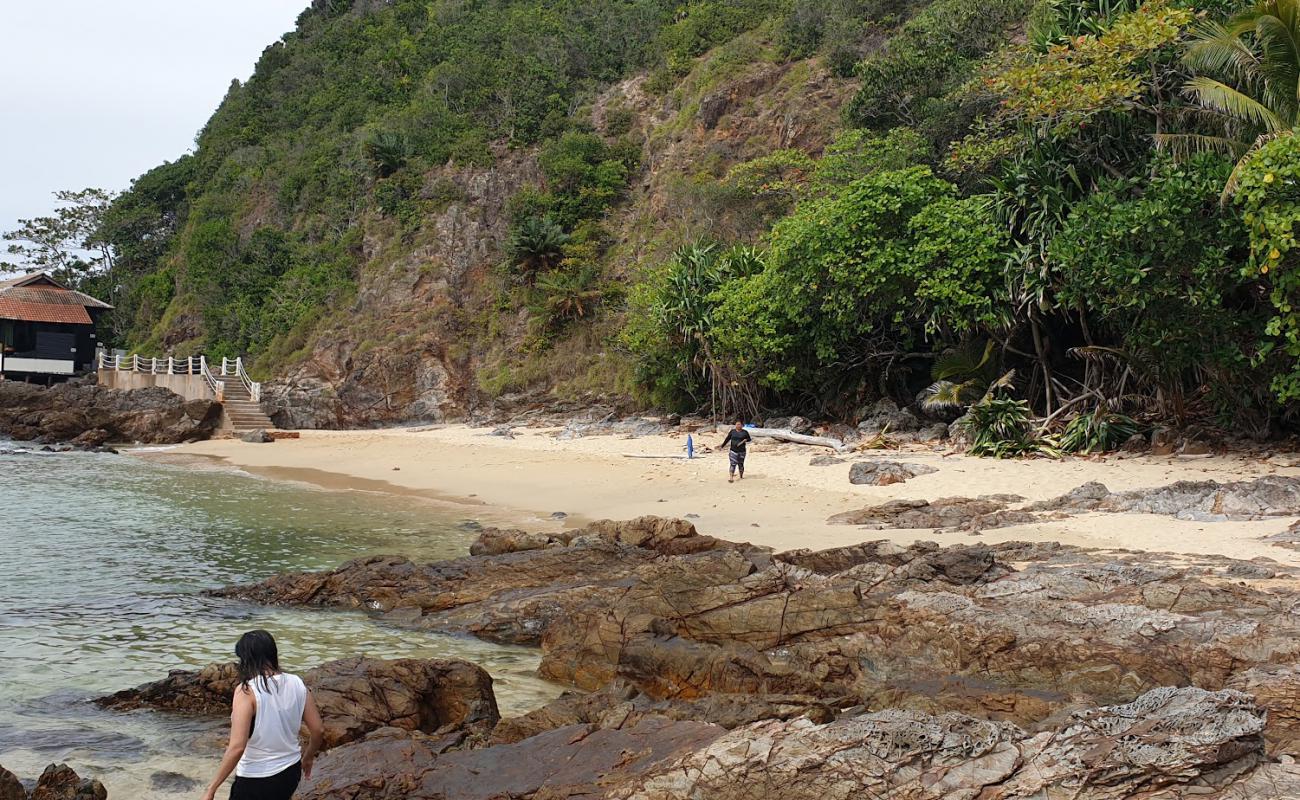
(1246, 84)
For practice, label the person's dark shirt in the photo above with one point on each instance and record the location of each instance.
(738, 439)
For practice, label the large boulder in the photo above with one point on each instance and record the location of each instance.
(92, 414)
(355, 695)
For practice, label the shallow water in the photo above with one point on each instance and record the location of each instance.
(104, 559)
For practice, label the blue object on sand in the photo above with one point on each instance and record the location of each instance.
(690, 446)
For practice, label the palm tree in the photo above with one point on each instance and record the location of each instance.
(387, 152)
(538, 244)
(571, 296)
(1246, 84)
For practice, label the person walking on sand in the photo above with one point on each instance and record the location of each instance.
(268, 710)
(737, 437)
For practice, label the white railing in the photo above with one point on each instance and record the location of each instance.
(236, 367)
(193, 365)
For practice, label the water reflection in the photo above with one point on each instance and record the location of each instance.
(105, 558)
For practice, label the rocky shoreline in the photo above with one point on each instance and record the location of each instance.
(711, 669)
(89, 416)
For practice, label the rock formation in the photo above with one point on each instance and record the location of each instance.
(57, 782)
(91, 415)
(355, 695)
(884, 473)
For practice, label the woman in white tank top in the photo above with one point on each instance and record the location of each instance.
(268, 710)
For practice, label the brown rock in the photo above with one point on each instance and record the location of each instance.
(10, 787)
(885, 473)
(60, 782)
(1277, 690)
(66, 411)
(569, 762)
(355, 695)
(948, 513)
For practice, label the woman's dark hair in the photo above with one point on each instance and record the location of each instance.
(258, 658)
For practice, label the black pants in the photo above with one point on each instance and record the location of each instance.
(279, 786)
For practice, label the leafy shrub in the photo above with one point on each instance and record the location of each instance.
(387, 152)
(537, 244)
(1002, 427)
(1097, 432)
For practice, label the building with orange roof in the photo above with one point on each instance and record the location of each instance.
(47, 331)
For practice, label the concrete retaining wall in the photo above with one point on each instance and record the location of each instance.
(191, 387)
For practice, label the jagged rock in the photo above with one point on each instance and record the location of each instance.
(1168, 737)
(884, 473)
(1277, 690)
(61, 782)
(1163, 442)
(1195, 447)
(947, 513)
(259, 436)
(355, 695)
(173, 782)
(66, 411)
(91, 439)
(494, 542)
(302, 403)
(577, 761)
(619, 706)
(1259, 498)
(885, 415)
(10, 787)
(825, 461)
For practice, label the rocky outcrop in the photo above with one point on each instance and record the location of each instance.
(1277, 690)
(570, 762)
(946, 513)
(885, 473)
(1183, 739)
(91, 415)
(618, 706)
(57, 782)
(355, 695)
(10, 787)
(512, 596)
(1260, 498)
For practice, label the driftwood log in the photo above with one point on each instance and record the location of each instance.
(783, 435)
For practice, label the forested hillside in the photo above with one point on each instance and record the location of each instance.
(1079, 210)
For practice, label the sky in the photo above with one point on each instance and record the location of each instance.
(96, 92)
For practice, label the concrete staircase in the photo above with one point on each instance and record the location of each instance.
(243, 413)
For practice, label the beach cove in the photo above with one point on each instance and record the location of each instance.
(534, 477)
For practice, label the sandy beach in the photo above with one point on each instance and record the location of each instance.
(533, 478)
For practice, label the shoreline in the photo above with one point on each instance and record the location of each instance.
(529, 480)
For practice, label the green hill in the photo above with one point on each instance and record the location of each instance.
(420, 209)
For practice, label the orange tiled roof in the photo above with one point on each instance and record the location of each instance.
(39, 298)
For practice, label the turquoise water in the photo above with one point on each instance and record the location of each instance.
(105, 557)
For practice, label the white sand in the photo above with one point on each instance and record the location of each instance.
(783, 502)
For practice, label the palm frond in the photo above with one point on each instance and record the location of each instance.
(1222, 97)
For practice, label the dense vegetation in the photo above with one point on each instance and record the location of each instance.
(1081, 211)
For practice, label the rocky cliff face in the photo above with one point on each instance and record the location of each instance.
(426, 326)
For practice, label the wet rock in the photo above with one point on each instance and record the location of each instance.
(259, 436)
(61, 782)
(91, 439)
(570, 762)
(66, 411)
(884, 473)
(355, 695)
(10, 787)
(173, 782)
(946, 513)
(1169, 737)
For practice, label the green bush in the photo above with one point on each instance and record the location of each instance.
(1097, 432)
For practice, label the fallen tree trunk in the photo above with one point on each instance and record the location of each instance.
(783, 435)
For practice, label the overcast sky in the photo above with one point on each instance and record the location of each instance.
(95, 92)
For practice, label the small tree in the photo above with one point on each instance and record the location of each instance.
(66, 243)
